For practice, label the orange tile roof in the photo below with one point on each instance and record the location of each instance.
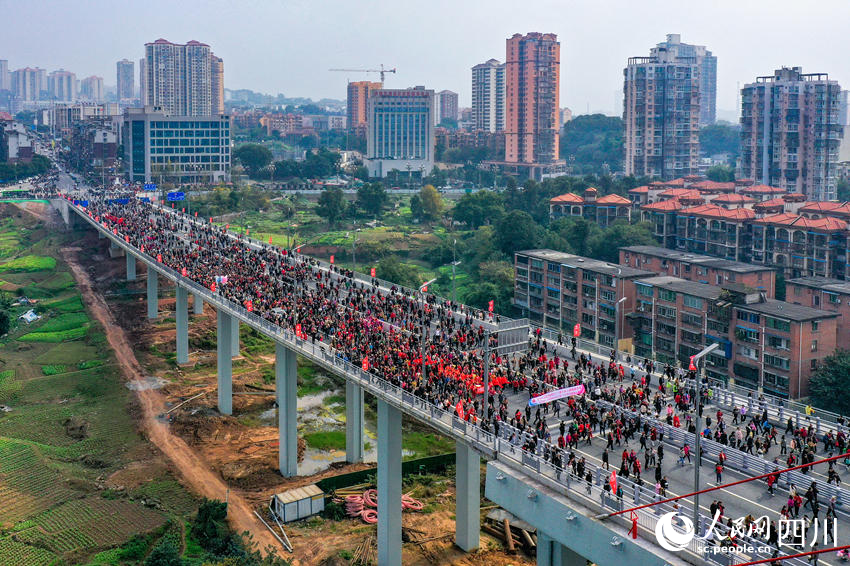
(669, 193)
(714, 211)
(763, 190)
(823, 206)
(567, 198)
(788, 219)
(780, 202)
(613, 199)
(713, 186)
(668, 205)
(674, 183)
(639, 190)
(794, 197)
(733, 199)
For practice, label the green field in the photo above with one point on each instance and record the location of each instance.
(29, 263)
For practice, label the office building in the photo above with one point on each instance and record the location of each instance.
(143, 82)
(661, 113)
(791, 131)
(91, 88)
(183, 149)
(179, 78)
(125, 74)
(62, 86)
(707, 64)
(488, 96)
(358, 97)
(5, 77)
(28, 84)
(532, 94)
(217, 84)
(400, 131)
(445, 106)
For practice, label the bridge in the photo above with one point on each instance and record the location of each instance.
(524, 480)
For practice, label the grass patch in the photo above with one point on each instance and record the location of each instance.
(326, 440)
(54, 337)
(333, 400)
(90, 364)
(53, 369)
(69, 304)
(424, 444)
(62, 322)
(29, 263)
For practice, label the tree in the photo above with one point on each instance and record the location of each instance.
(253, 156)
(432, 202)
(843, 190)
(516, 231)
(593, 143)
(605, 245)
(577, 232)
(372, 197)
(479, 208)
(391, 269)
(720, 173)
(210, 527)
(165, 553)
(721, 137)
(331, 205)
(829, 381)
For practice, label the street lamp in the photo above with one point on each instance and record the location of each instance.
(422, 290)
(617, 327)
(697, 436)
(455, 262)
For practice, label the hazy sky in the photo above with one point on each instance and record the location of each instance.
(288, 45)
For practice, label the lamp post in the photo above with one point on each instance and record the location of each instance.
(698, 435)
(617, 327)
(454, 264)
(422, 290)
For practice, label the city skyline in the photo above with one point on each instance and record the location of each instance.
(590, 77)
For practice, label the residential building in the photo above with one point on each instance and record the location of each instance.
(94, 144)
(445, 104)
(801, 246)
(707, 64)
(217, 84)
(700, 268)
(791, 131)
(400, 131)
(823, 293)
(559, 290)
(28, 84)
(125, 75)
(91, 88)
(603, 210)
(143, 82)
(184, 149)
(488, 96)
(661, 114)
(713, 230)
(15, 144)
(5, 76)
(62, 86)
(357, 102)
(179, 78)
(532, 94)
(64, 117)
(566, 116)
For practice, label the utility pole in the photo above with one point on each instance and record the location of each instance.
(424, 326)
(486, 376)
(698, 435)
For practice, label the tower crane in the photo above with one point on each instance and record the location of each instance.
(382, 70)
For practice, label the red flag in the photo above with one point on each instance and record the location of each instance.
(196, 214)
(182, 210)
(577, 330)
(172, 205)
(227, 226)
(143, 248)
(212, 286)
(613, 481)
(691, 366)
(372, 272)
(270, 240)
(247, 232)
(127, 239)
(365, 364)
(183, 272)
(249, 305)
(490, 306)
(332, 260)
(115, 231)
(425, 289)
(210, 219)
(459, 409)
(159, 258)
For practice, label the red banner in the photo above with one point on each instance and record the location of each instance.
(159, 258)
(332, 260)
(183, 272)
(490, 306)
(249, 305)
(577, 330)
(212, 286)
(365, 364)
(372, 272)
(691, 366)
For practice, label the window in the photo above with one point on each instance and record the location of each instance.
(667, 295)
(833, 298)
(778, 324)
(814, 345)
(644, 290)
(692, 319)
(607, 295)
(778, 343)
(814, 365)
(666, 312)
(798, 291)
(588, 276)
(777, 361)
(815, 325)
(588, 290)
(554, 267)
(749, 317)
(693, 302)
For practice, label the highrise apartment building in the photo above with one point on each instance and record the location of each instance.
(661, 115)
(791, 131)
(217, 83)
(707, 64)
(62, 86)
(178, 78)
(143, 81)
(28, 84)
(91, 88)
(488, 96)
(358, 96)
(446, 106)
(125, 74)
(532, 122)
(400, 131)
(5, 77)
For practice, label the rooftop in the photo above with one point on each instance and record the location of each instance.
(639, 190)
(696, 259)
(682, 286)
(788, 311)
(567, 198)
(823, 283)
(733, 199)
(780, 202)
(763, 190)
(613, 199)
(714, 211)
(793, 220)
(586, 263)
(664, 205)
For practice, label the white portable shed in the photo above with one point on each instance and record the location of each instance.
(298, 503)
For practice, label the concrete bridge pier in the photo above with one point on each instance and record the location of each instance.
(234, 337)
(552, 553)
(131, 267)
(389, 484)
(182, 316)
(353, 423)
(153, 294)
(100, 235)
(225, 363)
(286, 390)
(468, 499)
(198, 303)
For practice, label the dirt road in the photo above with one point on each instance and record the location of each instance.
(196, 475)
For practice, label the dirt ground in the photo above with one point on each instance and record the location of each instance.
(220, 456)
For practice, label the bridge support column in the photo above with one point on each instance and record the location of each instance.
(389, 485)
(353, 423)
(100, 235)
(286, 389)
(234, 337)
(153, 294)
(131, 267)
(182, 316)
(198, 303)
(552, 553)
(225, 364)
(468, 498)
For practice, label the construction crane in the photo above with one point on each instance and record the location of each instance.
(382, 70)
